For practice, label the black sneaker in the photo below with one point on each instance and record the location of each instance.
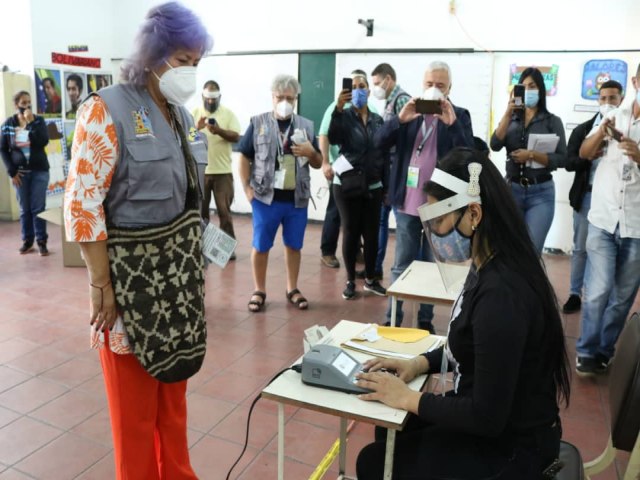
(42, 249)
(350, 292)
(602, 363)
(375, 287)
(26, 247)
(573, 304)
(587, 367)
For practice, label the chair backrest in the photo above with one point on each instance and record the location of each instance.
(624, 387)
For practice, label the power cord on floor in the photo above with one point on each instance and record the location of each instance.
(295, 368)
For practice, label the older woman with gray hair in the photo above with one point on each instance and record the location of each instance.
(276, 152)
(132, 200)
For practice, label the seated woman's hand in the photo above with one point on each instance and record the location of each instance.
(387, 388)
(406, 370)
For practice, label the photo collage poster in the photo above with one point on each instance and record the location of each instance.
(59, 93)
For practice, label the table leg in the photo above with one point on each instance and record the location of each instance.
(388, 454)
(342, 458)
(415, 306)
(280, 441)
(394, 308)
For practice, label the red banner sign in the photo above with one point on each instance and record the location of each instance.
(75, 60)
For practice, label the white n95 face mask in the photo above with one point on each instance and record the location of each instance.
(379, 92)
(606, 108)
(178, 84)
(284, 109)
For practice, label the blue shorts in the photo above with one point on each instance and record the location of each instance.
(267, 219)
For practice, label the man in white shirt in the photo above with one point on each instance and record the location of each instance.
(613, 242)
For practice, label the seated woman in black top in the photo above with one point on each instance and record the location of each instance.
(529, 171)
(358, 193)
(505, 346)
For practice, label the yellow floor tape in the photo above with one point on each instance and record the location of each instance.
(331, 455)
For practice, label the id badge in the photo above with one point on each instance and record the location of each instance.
(22, 136)
(413, 176)
(278, 179)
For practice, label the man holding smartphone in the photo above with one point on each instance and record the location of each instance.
(420, 140)
(609, 98)
(222, 129)
(613, 241)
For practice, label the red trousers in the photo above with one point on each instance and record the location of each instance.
(148, 421)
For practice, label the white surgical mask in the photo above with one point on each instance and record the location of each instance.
(284, 109)
(606, 108)
(379, 92)
(178, 84)
(433, 93)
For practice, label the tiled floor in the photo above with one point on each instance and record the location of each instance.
(53, 417)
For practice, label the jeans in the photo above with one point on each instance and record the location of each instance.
(579, 255)
(537, 204)
(610, 286)
(32, 198)
(411, 244)
(330, 227)
(383, 236)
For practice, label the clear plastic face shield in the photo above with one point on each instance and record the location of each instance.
(440, 220)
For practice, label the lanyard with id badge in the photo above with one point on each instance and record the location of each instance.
(413, 174)
(285, 177)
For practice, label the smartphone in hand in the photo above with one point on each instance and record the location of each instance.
(428, 106)
(211, 121)
(518, 95)
(614, 132)
(347, 83)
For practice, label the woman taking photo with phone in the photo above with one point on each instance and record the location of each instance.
(359, 191)
(529, 171)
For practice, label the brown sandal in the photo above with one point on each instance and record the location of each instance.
(256, 306)
(301, 302)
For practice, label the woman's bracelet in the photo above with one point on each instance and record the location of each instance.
(101, 288)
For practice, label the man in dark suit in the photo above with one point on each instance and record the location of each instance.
(420, 141)
(610, 97)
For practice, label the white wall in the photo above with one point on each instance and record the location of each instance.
(248, 25)
(16, 37)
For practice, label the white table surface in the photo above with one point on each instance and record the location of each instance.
(422, 282)
(288, 388)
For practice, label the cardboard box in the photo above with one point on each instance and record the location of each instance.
(71, 256)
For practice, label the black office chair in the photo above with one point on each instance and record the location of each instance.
(624, 399)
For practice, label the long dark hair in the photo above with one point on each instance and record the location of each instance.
(538, 79)
(504, 230)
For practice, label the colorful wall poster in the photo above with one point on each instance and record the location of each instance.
(48, 92)
(97, 81)
(75, 85)
(56, 153)
(549, 74)
(596, 72)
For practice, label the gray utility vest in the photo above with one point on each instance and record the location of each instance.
(265, 141)
(388, 114)
(149, 185)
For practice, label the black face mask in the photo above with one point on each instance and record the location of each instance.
(211, 107)
(24, 109)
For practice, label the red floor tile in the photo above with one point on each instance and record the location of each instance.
(48, 372)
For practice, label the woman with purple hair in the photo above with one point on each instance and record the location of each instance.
(132, 201)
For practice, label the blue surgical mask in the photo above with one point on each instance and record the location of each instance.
(453, 246)
(531, 98)
(359, 97)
